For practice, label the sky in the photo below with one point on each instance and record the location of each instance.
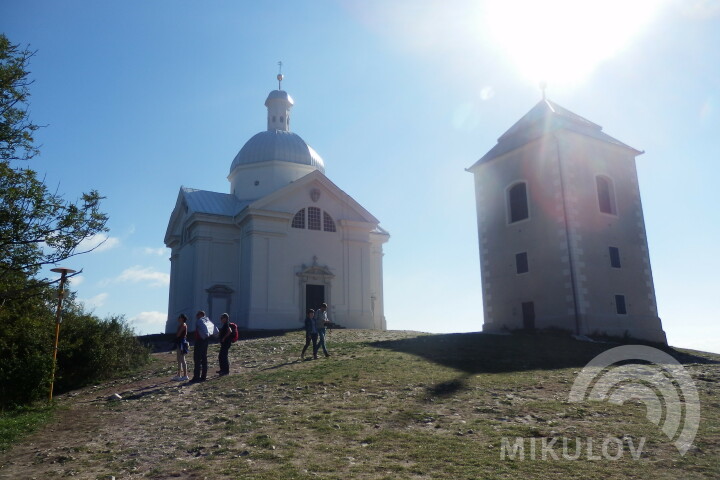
(399, 97)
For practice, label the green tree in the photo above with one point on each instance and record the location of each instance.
(37, 227)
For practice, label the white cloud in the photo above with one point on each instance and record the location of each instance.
(155, 251)
(145, 323)
(96, 301)
(138, 274)
(76, 280)
(99, 243)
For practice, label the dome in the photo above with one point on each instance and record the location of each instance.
(278, 145)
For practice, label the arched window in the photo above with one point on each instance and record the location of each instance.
(299, 219)
(313, 218)
(316, 220)
(328, 223)
(518, 203)
(606, 195)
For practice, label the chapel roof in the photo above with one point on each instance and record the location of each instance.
(278, 145)
(213, 203)
(544, 118)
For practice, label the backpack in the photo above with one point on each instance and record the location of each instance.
(205, 328)
(234, 332)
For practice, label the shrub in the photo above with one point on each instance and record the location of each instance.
(93, 349)
(90, 349)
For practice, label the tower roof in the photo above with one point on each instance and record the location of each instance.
(544, 118)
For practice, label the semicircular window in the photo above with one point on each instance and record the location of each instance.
(328, 223)
(299, 219)
(316, 220)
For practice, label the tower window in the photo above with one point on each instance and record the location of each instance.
(517, 202)
(614, 257)
(273, 118)
(620, 305)
(521, 262)
(313, 218)
(299, 219)
(328, 223)
(282, 119)
(606, 195)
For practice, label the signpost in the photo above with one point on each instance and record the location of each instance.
(58, 319)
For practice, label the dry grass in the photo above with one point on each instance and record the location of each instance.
(385, 405)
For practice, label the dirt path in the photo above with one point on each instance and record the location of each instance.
(93, 437)
(86, 427)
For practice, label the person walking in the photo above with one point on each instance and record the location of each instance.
(321, 322)
(183, 347)
(225, 343)
(204, 329)
(310, 333)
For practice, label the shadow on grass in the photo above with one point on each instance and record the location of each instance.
(484, 353)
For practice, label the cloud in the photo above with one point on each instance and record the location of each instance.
(99, 243)
(145, 323)
(155, 251)
(76, 280)
(137, 274)
(96, 301)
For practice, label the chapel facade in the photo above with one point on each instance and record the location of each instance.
(284, 239)
(561, 231)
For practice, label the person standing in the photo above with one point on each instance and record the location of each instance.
(321, 322)
(225, 343)
(310, 333)
(183, 347)
(204, 329)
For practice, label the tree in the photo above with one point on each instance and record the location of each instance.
(37, 227)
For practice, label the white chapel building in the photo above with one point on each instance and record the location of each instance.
(561, 230)
(284, 239)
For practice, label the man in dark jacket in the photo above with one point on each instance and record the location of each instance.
(204, 329)
(225, 343)
(310, 333)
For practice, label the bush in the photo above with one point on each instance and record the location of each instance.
(90, 349)
(26, 340)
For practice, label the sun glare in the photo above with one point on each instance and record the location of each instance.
(563, 41)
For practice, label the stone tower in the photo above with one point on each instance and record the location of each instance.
(561, 230)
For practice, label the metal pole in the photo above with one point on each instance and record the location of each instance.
(58, 320)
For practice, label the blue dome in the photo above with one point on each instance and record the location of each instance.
(278, 145)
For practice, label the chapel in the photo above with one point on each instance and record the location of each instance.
(285, 239)
(561, 231)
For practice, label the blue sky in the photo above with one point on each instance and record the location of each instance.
(398, 97)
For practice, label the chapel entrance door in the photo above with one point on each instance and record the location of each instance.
(528, 312)
(314, 296)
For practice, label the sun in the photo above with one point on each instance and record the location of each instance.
(563, 41)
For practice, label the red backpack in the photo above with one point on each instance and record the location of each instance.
(234, 332)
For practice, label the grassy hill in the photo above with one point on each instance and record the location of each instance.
(386, 405)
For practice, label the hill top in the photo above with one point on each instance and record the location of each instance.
(384, 405)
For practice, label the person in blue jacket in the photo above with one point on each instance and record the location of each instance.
(310, 333)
